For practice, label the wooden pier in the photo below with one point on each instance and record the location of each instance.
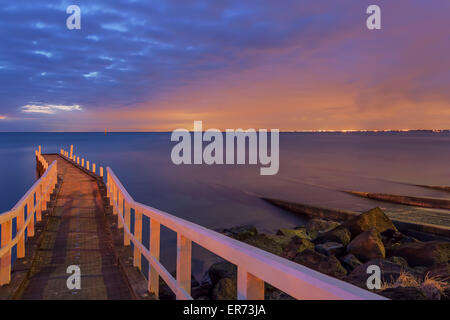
(76, 233)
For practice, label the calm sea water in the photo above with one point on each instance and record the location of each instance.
(314, 169)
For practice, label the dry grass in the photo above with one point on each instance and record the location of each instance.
(431, 287)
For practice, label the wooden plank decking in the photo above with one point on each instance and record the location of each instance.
(76, 234)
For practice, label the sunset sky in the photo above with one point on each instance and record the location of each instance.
(139, 65)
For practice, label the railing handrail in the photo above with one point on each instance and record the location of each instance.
(36, 201)
(296, 280)
(13, 212)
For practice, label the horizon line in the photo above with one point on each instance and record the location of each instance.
(281, 131)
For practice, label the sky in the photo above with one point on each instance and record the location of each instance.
(139, 65)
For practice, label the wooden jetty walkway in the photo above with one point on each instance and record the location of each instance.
(76, 234)
(68, 196)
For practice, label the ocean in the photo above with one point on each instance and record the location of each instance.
(314, 169)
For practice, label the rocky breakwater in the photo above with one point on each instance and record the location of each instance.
(410, 269)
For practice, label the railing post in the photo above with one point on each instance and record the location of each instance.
(78, 160)
(5, 260)
(20, 222)
(82, 162)
(184, 253)
(93, 168)
(120, 211)
(138, 236)
(38, 207)
(249, 287)
(101, 172)
(47, 187)
(127, 219)
(153, 277)
(87, 165)
(71, 151)
(30, 209)
(43, 195)
(114, 198)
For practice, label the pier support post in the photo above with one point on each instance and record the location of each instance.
(120, 210)
(153, 277)
(78, 160)
(249, 287)
(5, 260)
(43, 196)
(30, 210)
(82, 162)
(71, 151)
(20, 223)
(126, 219)
(184, 253)
(115, 199)
(87, 165)
(38, 207)
(93, 168)
(101, 172)
(138, 236)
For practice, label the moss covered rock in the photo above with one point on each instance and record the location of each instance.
(295, 246)
(423, 253)
(329, 265)
(316, 226)
(367, 246)
(225, 289)
(374, 218)
(221, 270)
(299, 232)
(262, 241)
(241, 232)
(339, 234)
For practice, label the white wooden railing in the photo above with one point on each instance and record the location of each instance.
(254, 266)
(81, 161)
(30, 205)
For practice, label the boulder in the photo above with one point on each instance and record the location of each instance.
(283, 241)
(201, 291)
(329, 265)
(339, 234)
(374, 218)
(295, 246)
(350, 261)
(403, 293)
(389, 272)
(441, 273)
(265, 243)
(221, 270)
(367, 246)
(330, 248)
(438, 271)
(299, 232)
(398, 260)
(392, 239)
(272, 293)
(423, 253)
(225, 289)
(241, 232)
(316, 226)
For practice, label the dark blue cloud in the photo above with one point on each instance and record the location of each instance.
(129, 51)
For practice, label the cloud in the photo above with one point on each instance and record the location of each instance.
(48, 109)
(2, 117)
(312, 55)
